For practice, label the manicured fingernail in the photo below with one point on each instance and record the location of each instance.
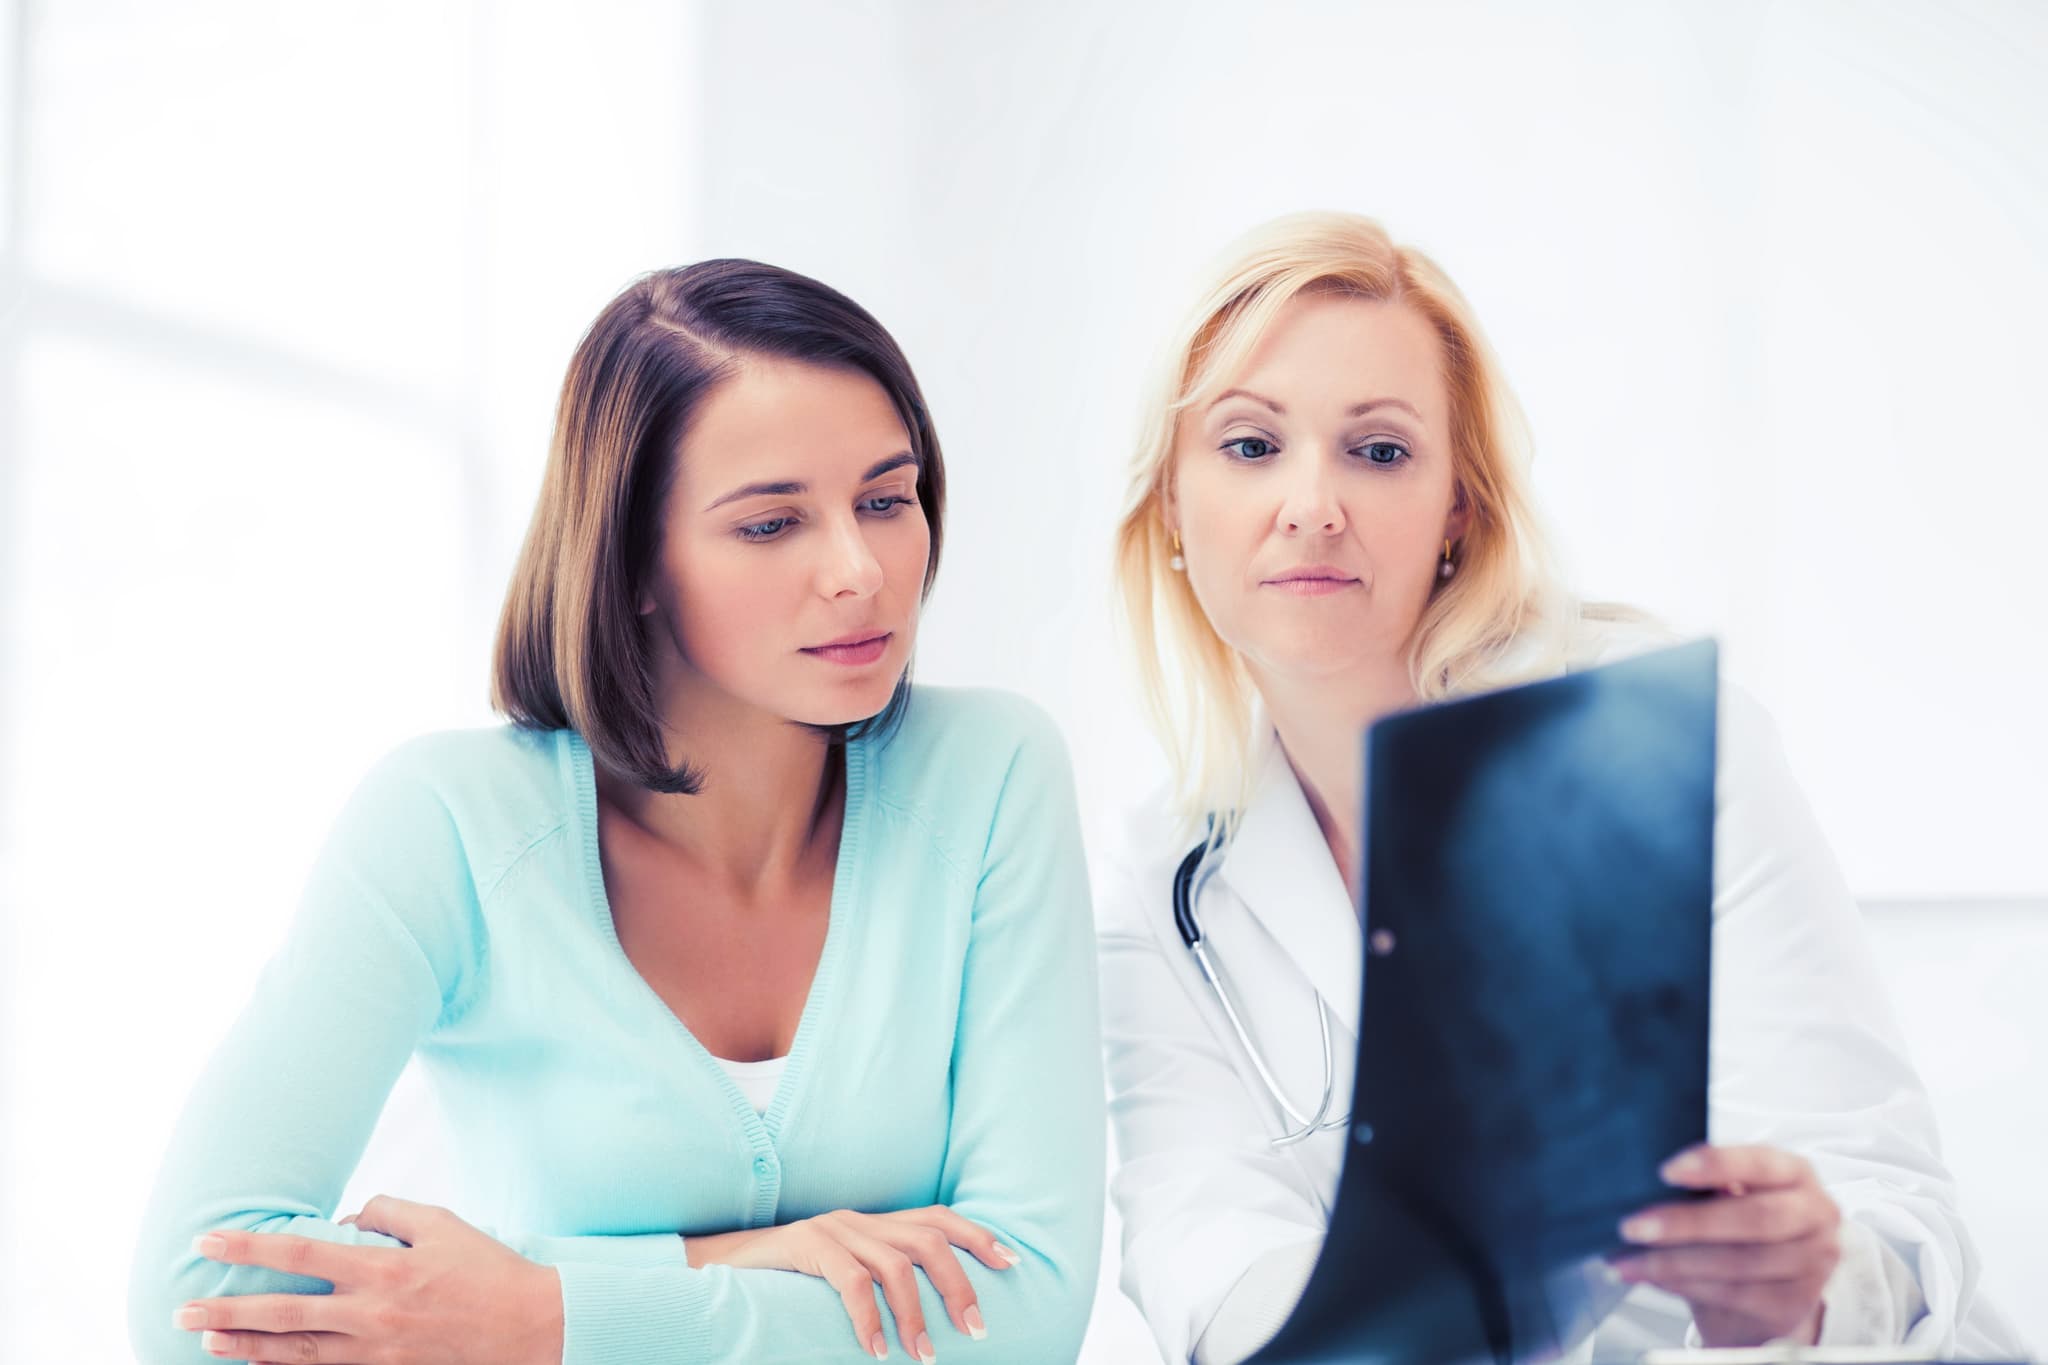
(972, 1316)
(216, 1342)
(878, 1346)
(1012, 1257)
(1641, 1229)
(925, 1352)
(210, 1245)
(189, 1317)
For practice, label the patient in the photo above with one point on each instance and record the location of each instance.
(752, 981)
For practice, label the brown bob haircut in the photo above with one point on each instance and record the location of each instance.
(572, 650)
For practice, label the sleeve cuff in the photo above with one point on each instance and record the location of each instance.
(1872, 1299)
(621, 1313)
(1258, 1305)
(640, 1249)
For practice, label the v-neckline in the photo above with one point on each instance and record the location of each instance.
(845, 901)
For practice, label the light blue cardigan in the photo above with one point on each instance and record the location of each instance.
(948, 1052)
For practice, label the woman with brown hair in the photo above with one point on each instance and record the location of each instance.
(730, 957)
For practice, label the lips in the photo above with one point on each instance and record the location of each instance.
(855, 650)
(1314, 580)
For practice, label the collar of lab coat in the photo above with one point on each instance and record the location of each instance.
(1279, 866)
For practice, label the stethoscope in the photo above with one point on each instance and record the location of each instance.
(1306, 1125)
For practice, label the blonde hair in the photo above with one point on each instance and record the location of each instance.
(1474, 632)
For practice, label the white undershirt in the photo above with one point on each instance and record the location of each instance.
(756, 1080)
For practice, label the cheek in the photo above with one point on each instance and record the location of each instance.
(1221, 525)
(1221, 532)
(1398, 533)
(734, 591)
(904, 548)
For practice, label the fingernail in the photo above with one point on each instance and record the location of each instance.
(975, 1328)
(1641, 1229)
(216, 1342)
(1681, 1168)
(924, 1348)
(1012, 1257)
(210, 1245)
(878, 1346)
(189, 1317)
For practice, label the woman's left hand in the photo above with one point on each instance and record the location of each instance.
(1753, 1259)
(451, 1296)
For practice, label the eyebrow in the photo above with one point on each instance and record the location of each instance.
(788, 488)
(1355, 410)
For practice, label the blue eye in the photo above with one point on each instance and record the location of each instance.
(884, 506)
(765, 530)
(1252, 448)
(1384, 453)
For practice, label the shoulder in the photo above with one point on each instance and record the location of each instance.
(1139, 853)
(469, 800)
(1750, 754)
(962, 761)
(950, 737)
(498, 769)
(1762, 820)
(496, 766)
(1604, 633)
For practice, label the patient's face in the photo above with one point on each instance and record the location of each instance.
(1313, 498)
(793, 555)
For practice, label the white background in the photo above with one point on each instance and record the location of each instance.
(288, 291)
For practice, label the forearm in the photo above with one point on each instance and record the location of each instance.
(719, 1248)
(170, 1272)
(676, 1314)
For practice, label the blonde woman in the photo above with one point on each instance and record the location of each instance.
(1329, 520)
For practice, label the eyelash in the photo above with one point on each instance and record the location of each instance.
(773, 527)
(1403, 456)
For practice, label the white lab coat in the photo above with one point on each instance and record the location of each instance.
(1804, 1056)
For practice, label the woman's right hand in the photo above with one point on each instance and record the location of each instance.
(854, 1252)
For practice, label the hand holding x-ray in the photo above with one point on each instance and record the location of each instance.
(1751, 1259)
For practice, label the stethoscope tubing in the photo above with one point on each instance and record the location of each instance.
(1306, 1125)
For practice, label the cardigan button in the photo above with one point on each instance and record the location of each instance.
(763, 1167)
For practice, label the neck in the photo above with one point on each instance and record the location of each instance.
(769, 794)
(1321, 721)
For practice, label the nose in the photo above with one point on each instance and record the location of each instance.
(849, 568)
(1309, 505)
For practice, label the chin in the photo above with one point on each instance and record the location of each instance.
(1327, 652)
(849, 706)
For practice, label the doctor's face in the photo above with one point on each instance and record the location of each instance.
(1314, 495)
(793, 552)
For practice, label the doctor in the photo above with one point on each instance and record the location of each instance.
(1329, 521)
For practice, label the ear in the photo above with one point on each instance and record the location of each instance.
(1459, 519)
(1169, 501)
